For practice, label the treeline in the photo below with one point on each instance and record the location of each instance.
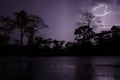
(86, 39)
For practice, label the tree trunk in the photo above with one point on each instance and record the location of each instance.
(21, 37)
(30, 40)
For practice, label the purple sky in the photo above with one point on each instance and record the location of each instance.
(61, 15)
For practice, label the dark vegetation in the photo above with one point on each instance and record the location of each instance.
(86, 39)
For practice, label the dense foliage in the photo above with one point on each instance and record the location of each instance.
(86, 39)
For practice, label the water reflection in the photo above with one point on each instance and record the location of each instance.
(59, 68)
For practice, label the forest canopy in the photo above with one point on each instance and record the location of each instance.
(85, 36)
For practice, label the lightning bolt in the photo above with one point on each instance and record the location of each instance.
(105, 12)
(100, 15)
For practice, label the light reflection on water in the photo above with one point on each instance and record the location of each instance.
(59, 68)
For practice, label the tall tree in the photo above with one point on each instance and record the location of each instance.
(35, 23)
(28, 25)
(21, 22)
(86, 27)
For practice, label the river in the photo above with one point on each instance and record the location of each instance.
(60, 68)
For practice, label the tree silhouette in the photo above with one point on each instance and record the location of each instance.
(47, 43)
(6, 27)
(38, 42)
(115, 35)
(28, 25)
(89, 19)
(82, 33)
(86, 39)
(35, 23)
(68, 46)
(103, 38)
(21, 23)
(86, 28)
(58, 45)
(43, 43)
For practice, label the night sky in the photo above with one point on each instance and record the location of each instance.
(61, 15)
